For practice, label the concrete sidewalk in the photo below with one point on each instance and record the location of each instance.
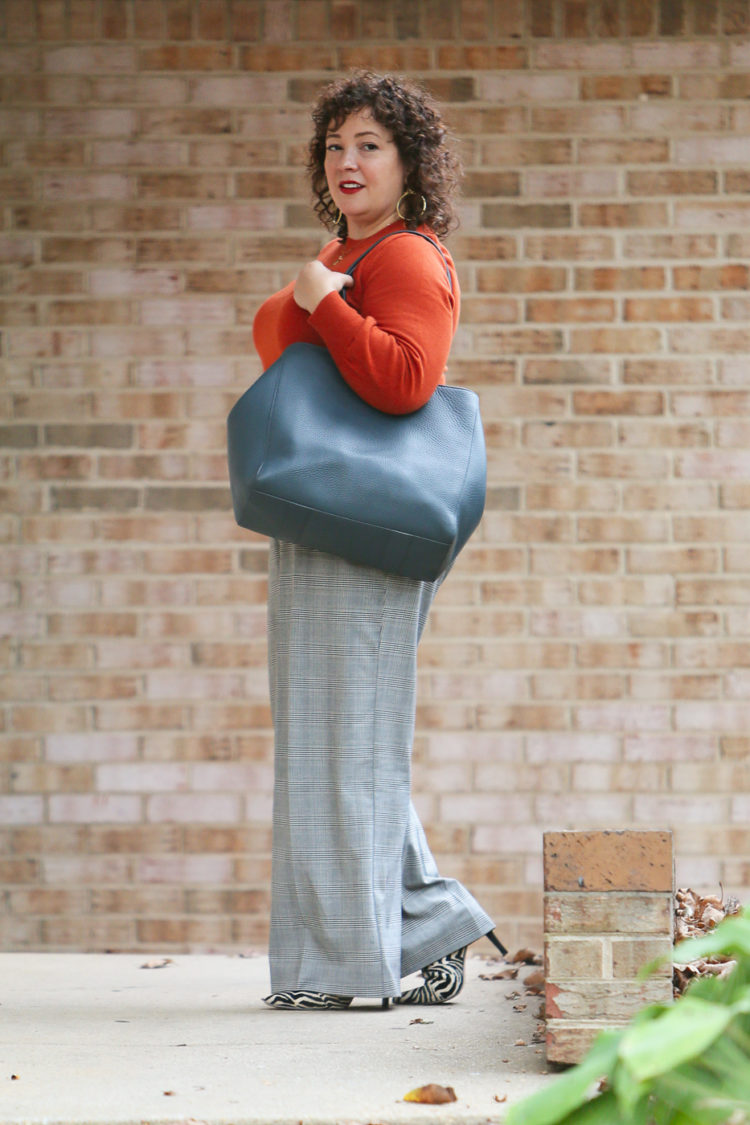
(97, 1039)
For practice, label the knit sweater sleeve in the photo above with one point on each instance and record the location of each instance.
(390, 338)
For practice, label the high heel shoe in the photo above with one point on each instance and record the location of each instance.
(444, 978)
(305, 1001)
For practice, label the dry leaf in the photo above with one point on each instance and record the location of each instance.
(526, 957)
(695, 915)
(158, 964)
(506, 974)
(520, 1043)
(501, 1097)
(169, 1093)
(534, 982)
(519, 1007)
(432, 1095)
(419, 1020)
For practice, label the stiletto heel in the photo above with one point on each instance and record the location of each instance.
(385, 1002)
(497, 944)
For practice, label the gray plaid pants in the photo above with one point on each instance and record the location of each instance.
(356, 898)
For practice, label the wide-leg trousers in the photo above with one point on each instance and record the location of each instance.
(356, 898)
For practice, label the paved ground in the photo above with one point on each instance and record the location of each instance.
(97, 1039)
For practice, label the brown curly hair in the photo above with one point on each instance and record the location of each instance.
(413, 120)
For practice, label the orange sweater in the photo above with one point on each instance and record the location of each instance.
(390, 338)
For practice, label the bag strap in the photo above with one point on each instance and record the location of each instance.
(393, 233)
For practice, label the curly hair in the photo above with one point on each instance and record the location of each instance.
(433, 171)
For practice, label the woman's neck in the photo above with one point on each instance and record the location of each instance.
(359, 232)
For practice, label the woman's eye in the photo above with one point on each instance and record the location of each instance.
(332, 147)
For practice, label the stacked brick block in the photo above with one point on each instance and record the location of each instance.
(587, 665)
(608, 912)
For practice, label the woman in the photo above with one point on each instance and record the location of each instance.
(357, 902)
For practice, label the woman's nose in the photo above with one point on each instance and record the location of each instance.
(349, 157)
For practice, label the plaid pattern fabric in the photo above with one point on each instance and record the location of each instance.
(357, 901)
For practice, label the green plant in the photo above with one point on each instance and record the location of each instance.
(686, 1063)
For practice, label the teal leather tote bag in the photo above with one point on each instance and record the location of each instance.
(312, 463)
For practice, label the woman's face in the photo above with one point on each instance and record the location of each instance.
(365, 173)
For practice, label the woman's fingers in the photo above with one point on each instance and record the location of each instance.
(315, 281)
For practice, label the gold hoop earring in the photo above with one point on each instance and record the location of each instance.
(403, 196)
(338, 217)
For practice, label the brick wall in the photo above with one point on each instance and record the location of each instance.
(588, 663)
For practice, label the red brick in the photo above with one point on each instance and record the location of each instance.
(629, 957)
(732, 215)
(514, 215)
(564, 183)
(489, 311)
(568, 1042)
(280, 58)
(618, 402)
(185, 58)
(486, 120)
(608, 861)
(615, 339)
(583, 120)
(569, 311)
(527, 88)
(89, 60)
(626, 87)
(520, 279)
(633, 151)
(575, 958)
(567, 371)
(561, 247)
(623, 214)
(612, 278)
(491, 184)
(573, 435)
(482, 57)
(729, 276)
(694, 54)
(615, 1002)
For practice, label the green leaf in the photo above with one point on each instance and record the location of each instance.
(694, 1092)
(681, 1033)
(602, 1110)
(727, 1065)
(571, 1090)
(682, 1064)
(628, 1089)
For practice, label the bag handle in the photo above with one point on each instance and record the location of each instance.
(419, 234)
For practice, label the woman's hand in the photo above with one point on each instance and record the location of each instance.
(315, 281)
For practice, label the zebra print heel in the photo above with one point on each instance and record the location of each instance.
(307, 1001)
(443, 979)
